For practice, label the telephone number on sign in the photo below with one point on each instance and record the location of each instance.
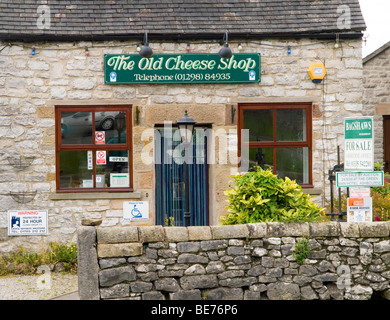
(201, 77)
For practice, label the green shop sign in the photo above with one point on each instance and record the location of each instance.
(181, 68)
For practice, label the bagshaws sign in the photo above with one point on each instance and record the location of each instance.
(359, 144)
(181, 68)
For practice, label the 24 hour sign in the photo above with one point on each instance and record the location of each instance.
(185, 68)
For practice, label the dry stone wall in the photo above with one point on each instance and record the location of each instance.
(242, 262)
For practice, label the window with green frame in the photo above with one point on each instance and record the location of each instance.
(280, 138)
(93, 148)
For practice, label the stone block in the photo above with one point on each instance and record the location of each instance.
(199, 282)
(349, 230)
(88, 267)
(382, 246)
(192, 258)
(199, 233)
(213, 245)
(153, 295)
(167, 284)
(201, 113)
(186, 295)
(257, 230)
(117, 291)
(176, 234)
(225, 294)
(111, 262)
(91, 222)
(324, 229)
(283, 291)
(117, 234)
(151, 233)
(230, 231)
(112, 276)
(119, 250)
(373, 229)
(140, 286)
(188, 246)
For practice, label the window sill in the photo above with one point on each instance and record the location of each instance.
(312, 191)
(95, 196)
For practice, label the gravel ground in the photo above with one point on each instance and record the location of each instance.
(36, 287)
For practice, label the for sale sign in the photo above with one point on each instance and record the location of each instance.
(359, 144)
(27, 222)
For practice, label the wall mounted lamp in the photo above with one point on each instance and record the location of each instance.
(225, 52)
(146, 51)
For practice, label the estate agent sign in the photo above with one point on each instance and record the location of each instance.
(181, 68)
(359, 144)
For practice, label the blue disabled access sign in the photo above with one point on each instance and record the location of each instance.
(136, 210)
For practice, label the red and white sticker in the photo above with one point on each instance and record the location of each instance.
(101, 157)
(100, 137)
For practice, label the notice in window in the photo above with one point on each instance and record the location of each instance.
(118, 180)
(100, 137)
(101, 157)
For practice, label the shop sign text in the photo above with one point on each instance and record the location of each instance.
(181, 68)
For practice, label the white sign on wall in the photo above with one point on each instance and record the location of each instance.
(27, 222)
(136, 210)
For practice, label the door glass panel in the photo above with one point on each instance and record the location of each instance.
(259, 123)
(293, 163)
(76, 127)
(291, 125)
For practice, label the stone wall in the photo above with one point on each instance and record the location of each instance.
(252, 262)
(61, 74)
(376, 95)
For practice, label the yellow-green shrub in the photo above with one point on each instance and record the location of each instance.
(261, 196)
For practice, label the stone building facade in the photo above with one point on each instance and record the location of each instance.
(61, 74)
(376, 96)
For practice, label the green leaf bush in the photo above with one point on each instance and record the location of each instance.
(261, 196)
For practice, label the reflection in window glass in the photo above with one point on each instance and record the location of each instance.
(113, 124)
(74, 170)
(262, 157)
(115, 172)
(260, 124)
(76, 127)
(293, 163)
(291, 125)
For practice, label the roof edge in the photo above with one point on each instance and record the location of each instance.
(376, 52)
(329, 35)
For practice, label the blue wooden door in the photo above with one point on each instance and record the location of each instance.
(170, 187)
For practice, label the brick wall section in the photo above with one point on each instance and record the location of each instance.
(250, 262)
